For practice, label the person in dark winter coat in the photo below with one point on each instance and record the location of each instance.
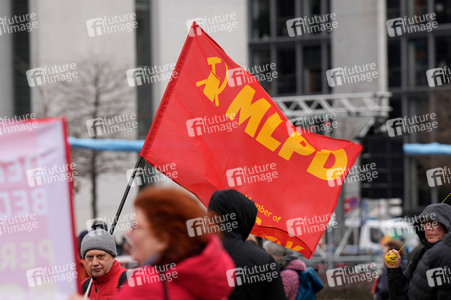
(428, 275)
(290, 265)
(252, 263)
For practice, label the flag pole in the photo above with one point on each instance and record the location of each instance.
(119, 210)
(124, 197)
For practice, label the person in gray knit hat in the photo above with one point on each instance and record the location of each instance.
(98, 239)
(98, 249)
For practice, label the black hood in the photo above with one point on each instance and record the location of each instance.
(440, 212)
(226, 202)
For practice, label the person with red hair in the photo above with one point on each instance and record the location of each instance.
(177, 264)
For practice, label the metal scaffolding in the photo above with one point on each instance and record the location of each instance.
(366, 106)
(343, 105)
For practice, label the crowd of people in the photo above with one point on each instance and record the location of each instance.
(177, 264)
(174, 263)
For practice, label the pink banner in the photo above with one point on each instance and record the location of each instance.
(37, 254)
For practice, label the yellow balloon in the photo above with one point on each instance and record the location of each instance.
(390, 259)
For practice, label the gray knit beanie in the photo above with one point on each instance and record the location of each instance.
(98, 239)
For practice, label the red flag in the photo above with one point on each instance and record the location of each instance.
(220, 129)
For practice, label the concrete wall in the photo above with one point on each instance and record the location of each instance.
(169, 31)
(360, 23)
(62, 37)
(54, 44)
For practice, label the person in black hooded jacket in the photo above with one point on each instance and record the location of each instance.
(428, 275)
(262, 277)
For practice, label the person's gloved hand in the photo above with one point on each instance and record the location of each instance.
(392, 259)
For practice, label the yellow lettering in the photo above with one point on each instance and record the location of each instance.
(264, 136)
(317, 168)
(254, 112)
(295, 143)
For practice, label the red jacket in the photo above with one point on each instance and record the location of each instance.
(107, 286)
(198, 277)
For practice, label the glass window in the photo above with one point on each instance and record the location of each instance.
(21, 50)
(260, 19)
(417, 63)
(285, 11)
(443, 10)
(144, 92)
(443, 51)
(417, 7)
(394, 63)
(376, 235)
(311, 8)
(260, 58)
(393, 9)
(383, 152)
(311, 74)
(286, 66)
(290, 77)
(443, 132)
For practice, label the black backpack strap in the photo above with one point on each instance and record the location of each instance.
(165, 288)
(85, 285)
(122, 279)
